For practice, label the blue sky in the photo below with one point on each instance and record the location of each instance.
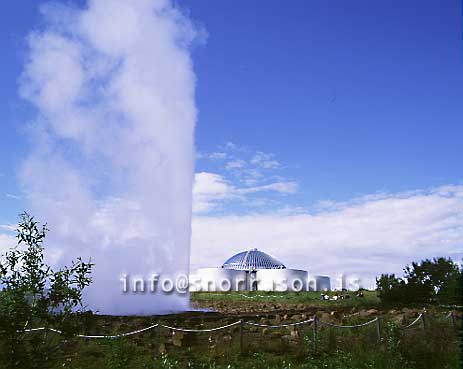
(366, 95)
(346, 99)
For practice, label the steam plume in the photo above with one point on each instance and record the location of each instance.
(111, 161)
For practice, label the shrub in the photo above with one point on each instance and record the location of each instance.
(34, 295)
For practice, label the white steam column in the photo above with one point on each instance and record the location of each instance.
(111, 167)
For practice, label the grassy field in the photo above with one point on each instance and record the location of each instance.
(312, 299)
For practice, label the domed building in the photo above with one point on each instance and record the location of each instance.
(255, 270)
(252, 260)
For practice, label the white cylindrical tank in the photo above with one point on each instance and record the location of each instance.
(192, 287)
(281, 280)
(319, 283)
(218, 280)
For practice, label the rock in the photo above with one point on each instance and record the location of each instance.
(294, 334)
(296, 318)
(363, 313)
(227, 338)
(177, 337)
(325, 317)
(410, 313)
(285, 317)
(162, 348)
(286, 337)
(265, 331)
(264, 321)
(372, 312)
(178, 334)
(398, 319)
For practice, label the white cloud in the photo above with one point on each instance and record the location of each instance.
(235, 164)
(209, 190)
(8, 227)
(367, 236)
(265, 160)
(281, 187)
(242, 178)
(212, 191)
(249, 172)
(11, 196)
(217, 155)
(230, 146)
(7, 241)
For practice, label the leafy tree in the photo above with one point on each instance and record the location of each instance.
(430, 278)
(390, 288)
(436, 280)
(33, 295)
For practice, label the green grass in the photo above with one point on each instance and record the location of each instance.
(311, 299)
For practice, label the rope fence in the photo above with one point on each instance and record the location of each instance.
(348, 326)
(315, 320)
(420, 317)
(279, 326)
(200, 330)
(251, 297)
(262, 296)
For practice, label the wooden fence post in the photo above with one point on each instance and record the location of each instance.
(241, 336)
(378, 328)
(315, 332)
(454, 320)
(156, 341)
(423, 322)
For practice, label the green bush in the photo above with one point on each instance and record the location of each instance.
(34, 295)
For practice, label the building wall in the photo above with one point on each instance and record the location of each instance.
(218, 280)
(319, 283)
(281, 280)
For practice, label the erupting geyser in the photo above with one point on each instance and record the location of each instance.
(111, 163)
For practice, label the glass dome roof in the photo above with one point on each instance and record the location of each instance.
(252, 260)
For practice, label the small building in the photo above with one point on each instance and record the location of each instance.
(255, 270)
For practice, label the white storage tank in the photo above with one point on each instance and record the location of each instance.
(218, 280)
(256, 270)
(319, 283)
(281, 280)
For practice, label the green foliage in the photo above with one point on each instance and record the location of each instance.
(391, 288)
(119, 354)
(437, 280)
(34, 295)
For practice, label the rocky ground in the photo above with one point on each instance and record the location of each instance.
(221, 313)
